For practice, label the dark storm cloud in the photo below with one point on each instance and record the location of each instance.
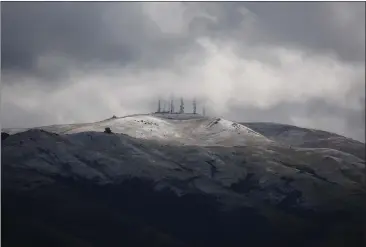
(122, 33)
(84, 33)
(330, 27)
(33, 29)
(296, 63)
(326, 27)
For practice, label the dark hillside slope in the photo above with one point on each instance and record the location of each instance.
(309, 138)
(98, 189)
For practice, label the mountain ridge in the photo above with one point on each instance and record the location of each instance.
(221, 190)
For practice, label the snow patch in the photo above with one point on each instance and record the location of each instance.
(186, 129)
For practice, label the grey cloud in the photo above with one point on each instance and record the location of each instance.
(328, 27)
(16, 117)
(123, 33)
(315, 26)
(347, 122)
(59, 46)
(354, 120)
(82, 32)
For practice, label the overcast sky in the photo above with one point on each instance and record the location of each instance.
(299, 63)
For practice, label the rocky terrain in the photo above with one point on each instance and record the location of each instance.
(181, 180)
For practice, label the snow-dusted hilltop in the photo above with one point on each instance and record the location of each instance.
(188, 129)
(181, 178)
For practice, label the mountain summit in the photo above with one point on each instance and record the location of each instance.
(181, 180)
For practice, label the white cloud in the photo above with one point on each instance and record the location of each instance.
(222, 77)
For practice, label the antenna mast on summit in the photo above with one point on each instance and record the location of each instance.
(164, 105)
(194, 106)
(159, 106)
(181, 110)
(172, 105)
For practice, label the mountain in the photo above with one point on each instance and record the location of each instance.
(181, 180)
(312, 138)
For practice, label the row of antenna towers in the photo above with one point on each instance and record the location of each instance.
(170, 108)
